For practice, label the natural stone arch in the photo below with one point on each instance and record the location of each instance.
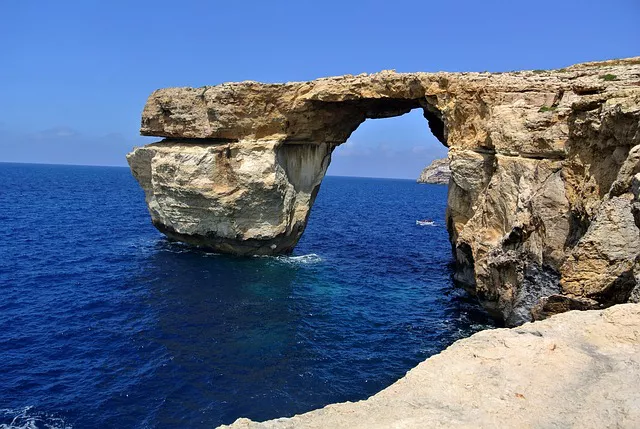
(286, 133)
(543, 168)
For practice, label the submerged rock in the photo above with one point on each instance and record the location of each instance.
(437, 172)
(543, 187)
(578, 369)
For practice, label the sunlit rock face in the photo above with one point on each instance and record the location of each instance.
(436, 173)
(239, 198)
(543, 197)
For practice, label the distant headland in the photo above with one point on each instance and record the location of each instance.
(436, 173)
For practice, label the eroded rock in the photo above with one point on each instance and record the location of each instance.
(601, 265)
(437, 173)
(239, 198)
(544, 170)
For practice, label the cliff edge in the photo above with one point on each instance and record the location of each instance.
(578, 369)
(437, 173)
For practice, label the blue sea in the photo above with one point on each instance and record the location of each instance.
(106, 324)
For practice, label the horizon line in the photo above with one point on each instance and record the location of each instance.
(127, 167)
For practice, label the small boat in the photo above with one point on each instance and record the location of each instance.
(425, 222)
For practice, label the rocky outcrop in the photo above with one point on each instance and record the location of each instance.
(236, 198)
(542, 210)
(578, 369)
(437, 173)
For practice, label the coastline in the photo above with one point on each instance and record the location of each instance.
(575, 369)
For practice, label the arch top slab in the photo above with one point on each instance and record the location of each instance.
(320, 111)
(537, 158)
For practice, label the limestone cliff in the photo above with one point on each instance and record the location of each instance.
(543, 207)
(574, 370)
(437, 172)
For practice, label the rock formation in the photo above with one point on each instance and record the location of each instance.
(232, 197)
(437, 172)
(574, 370)
(543, 207)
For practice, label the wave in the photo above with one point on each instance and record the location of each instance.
(311, 258)
(27, 418)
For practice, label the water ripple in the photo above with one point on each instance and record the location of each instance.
(104, 323)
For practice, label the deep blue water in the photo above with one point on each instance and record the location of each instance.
(104, 323)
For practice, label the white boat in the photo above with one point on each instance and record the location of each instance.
(425, 222)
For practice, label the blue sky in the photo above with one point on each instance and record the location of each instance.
(74, 75)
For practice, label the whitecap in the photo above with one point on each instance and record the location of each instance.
(311, 258)
(27, 418)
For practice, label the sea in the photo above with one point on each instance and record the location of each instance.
(104, 323)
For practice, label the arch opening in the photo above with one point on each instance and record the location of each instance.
(400, 146)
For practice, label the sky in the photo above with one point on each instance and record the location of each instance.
(74, 75)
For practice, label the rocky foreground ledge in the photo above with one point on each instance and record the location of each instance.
(543, 206)
(574, 370)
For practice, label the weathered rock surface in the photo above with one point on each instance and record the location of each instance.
(437, 172)
(233, 197)
(544, 169)
(573, 370)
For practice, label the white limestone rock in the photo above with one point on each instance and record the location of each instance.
(578, 369)
(437, 173)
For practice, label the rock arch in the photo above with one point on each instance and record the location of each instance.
(543, 167)
(259, 153)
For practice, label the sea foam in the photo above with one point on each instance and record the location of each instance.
(28, 418)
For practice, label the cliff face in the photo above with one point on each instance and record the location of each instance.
(575, 370)
(543, 200)
(437, 172)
